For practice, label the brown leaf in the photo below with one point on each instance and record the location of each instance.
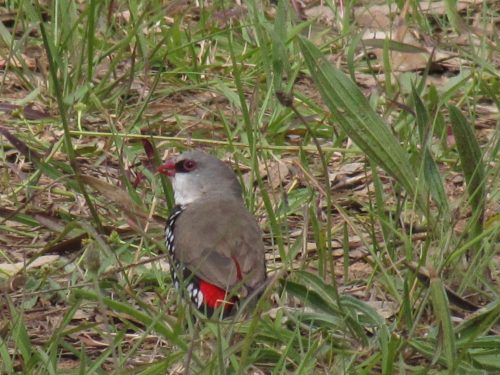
(12, 284)
(12, 268)
(277, 173)
(386, 309)
(20, 145)
(148, 148)
(31, 113)
(119, 197)
(28, 112)
(425, 275)
(50, 222)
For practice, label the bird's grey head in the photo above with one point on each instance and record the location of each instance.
(196, 175)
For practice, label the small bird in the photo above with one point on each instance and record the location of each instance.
(215, 244)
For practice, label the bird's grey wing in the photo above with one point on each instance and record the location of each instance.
(226, 249)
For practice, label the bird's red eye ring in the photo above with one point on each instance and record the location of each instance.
(189, 165)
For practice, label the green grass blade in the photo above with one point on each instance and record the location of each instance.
(472, 165)
(441, 309)
(433, 180)
(360, 122)
(158, 326)
(479, 323)
(432, 176)
(21, 337)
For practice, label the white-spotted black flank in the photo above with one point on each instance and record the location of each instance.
(193, 290)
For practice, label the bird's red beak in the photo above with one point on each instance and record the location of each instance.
(168, 169)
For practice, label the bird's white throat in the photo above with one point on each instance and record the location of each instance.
(185, 192)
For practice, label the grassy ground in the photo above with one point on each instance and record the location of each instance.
(366, 137)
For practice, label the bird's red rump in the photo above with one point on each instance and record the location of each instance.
(215, 296)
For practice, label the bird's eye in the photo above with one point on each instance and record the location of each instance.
(185, 166)
(189, 165)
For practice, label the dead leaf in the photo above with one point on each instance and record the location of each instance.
(386, 309)
(13, 268)
(277, 173)
(425, 275)
(15, 62)
(117, 196)
(12, 284)
(410, 49)
(352, 168)
(22, 147)
(322, 13)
